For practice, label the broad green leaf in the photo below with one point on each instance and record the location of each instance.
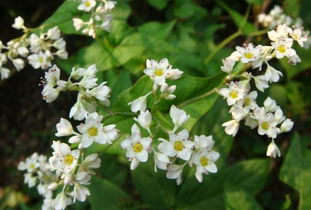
(293, 70)
(154, 188)
(250, 175)
(62, 17)
(296, 170)
(106, 195)
(210, 124)
(292, 7)
(159, 4)
(157, 30)
(239, 20)
(237, 198)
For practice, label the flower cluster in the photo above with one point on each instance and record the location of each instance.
(178, 149)
(277, 17)
(39, 173)
(38, 49)
(99, 16)
(90, 94)
(269, 119)
(68, 172)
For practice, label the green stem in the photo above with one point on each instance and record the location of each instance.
(119, 114)
(199, 97)
(221, 45)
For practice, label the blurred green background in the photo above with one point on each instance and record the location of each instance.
(186, 32)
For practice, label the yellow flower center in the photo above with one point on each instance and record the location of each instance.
(295, 36)
(248, 55)
(137, 147)
(32, 166)
(68, 159)
(233, 94)
(41, 59)
(87, 3)
(92, 131)
(265, 125)
(178, 145)
(247, 101)
(204, 161)
(158, 72)
(281, 49)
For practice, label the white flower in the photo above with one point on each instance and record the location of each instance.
(18, 23)
(93, 130)
(161, 161)
(139, 104)
(287, 125)
(203, 142)
(40, 60)
(63, 158)
(101, 92)
(144, 119)
(18, 63)
(243, 106)
(270, 105)
(204, 162)
(298, 36)
(228, 65)
(272, 74)
(178, 116)
(81, 192)
(160, 71)
(178, 146)
(5, 72)
(252, 123)
(77, 23)
(53, 33)
(273, 150)
(174, 171)
(64, 128)
(249, 53)
(137, 149)
(61, 201)
(23, 51)
(231, 127)
(266, 123)
(167, 91)
(283, 48)
(86, 5)
(82, 108)
(234, 93)
(261, 82)
(90, 162)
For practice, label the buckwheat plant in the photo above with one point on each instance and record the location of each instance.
(269, 118)
(99, 12)
(38, 49)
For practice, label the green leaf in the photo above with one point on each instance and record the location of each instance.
(157, 30)
(159, 4)
(107, 195)
(239, 20)
(250, 175)
(258, 2)
(154, 188)
(296, 170)
(62, 17)
(237, 198)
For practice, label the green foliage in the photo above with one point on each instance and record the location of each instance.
(296, 170)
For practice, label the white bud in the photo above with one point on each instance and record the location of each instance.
(273, 150)
(18, 23)
(53, 186)
(64, 128)
(144, 119)
(287, 125)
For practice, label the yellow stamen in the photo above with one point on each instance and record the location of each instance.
(204, 161)
(137, 147)
(234, 94)
(92, 131)
(178, 145)
(281, 49)
(87, 3)
(248, 55)
(247, 101)
(158, 72)
(68, 160)
(265, 125)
